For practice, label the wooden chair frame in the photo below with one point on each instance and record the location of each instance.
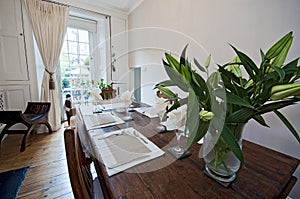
(35, 113)
(78, 166)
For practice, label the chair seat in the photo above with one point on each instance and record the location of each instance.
(7, 117)
(35, 113)
(32, 117)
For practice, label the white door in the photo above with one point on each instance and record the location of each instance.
(12, 49)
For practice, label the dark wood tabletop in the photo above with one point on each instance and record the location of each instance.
(267, 173)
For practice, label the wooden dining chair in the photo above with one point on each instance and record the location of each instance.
(35, 113)
(83, 185)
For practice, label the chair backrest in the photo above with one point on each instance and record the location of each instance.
(78, 166)
(37, 108)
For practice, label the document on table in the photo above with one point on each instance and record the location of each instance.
(150, 112)
(124, 149)
(101, 120)
(112, 106)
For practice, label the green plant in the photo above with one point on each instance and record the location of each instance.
(103, 85)
(266, 88)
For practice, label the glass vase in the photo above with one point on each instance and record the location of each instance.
(220, 162)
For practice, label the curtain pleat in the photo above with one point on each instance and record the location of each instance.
(49, 22)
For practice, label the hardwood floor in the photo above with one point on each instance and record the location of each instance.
(45, 154)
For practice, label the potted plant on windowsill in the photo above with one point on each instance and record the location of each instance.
(107, 91)
(219, 108)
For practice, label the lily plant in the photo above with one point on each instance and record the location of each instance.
(267, 87)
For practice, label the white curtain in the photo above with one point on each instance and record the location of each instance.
(49, 21)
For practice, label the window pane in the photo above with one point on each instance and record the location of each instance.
(64, 64)
(85, 60)
(72, 34)
(65, 47)
(73, 47)
(74, 60)
(83, 36)
(84, 48)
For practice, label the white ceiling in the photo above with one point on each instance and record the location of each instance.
(123, 5)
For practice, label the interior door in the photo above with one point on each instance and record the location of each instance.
(12, 49)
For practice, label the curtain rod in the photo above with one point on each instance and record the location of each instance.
(105, 15)
(58, 3)
(50, 1)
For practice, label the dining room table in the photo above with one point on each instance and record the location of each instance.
(266, 173)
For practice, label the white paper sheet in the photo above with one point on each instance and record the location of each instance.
(101, 120)
(150, 112)
(108, 157)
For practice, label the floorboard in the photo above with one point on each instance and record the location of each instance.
(45, 154)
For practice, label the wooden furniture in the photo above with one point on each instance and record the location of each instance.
(108, 93)
(81, 178)
(69, 109)
(267, 174)
(35, 113)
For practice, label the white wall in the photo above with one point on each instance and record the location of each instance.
(247, 24)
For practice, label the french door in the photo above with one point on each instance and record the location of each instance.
(76, 63)
(77, 60)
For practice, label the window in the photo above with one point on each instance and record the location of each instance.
(75, 63)
(84, 54)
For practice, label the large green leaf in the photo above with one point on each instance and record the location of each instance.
(195, 136)
(279, 71)
(240, 116)
(227, 76)
(260, 120)
(276, 49)
(234, 99)
(275, 106)
(292, 71)
(185, 74)
(200, 88)
(288, 125)
(194, 80)
(172, 62)
(166, 83)
(201, 68)
(207, 62)
(178, 104)
(262, 54)
(214, 79)
(234, 67)
(167, 92)
(232, 143)
(192, 118)
(182, 57)
(280, 58)
(248, 64)
(176, 78)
